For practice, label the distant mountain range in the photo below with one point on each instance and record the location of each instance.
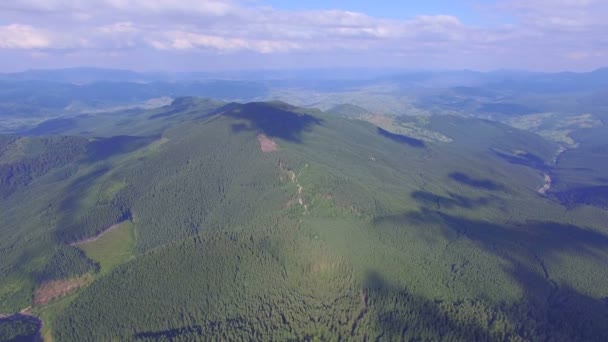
(89, 75)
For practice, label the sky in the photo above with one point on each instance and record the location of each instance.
(200, 35)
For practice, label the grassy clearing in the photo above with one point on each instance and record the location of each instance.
(113, 248)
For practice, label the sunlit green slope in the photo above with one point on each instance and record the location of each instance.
(269, 222)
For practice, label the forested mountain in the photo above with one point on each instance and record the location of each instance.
(206, 220)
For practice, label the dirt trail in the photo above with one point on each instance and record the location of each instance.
(294, 180)
(24, 312)
(559, 153)
(546, 186)
(548, 180)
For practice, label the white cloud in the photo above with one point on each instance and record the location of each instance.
(18, 36)
(118, 28)
(566, 28)
(180, 40)
(562, 15)
(213, 7)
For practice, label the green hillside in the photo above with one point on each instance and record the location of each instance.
(264, 221)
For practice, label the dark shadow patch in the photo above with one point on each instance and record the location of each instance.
(602, 149)
(541, 237)
(20, 328)
(104, 148)
(525, 159)
(555, 313)
(198, 332)
(56, 152)
(441, 202)
(596, 196)
(184, 332)
(53, 127)
(485, 184)
(238, 128)
(91, 221)
(80, 186)
(402, 139)
(277, 120)
(548, 310)
(395, 314)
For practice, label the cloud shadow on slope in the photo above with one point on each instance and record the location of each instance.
(273, 119)
(402, 139)
(562, 310)
(484, 184)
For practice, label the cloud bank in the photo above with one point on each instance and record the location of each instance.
(191, 34)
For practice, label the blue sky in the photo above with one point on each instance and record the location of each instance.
(182, 35)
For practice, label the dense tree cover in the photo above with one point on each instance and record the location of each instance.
(344, 232)
(233, 287)
(24, 159)
(96, 219)
(67, 262)
(19, 328)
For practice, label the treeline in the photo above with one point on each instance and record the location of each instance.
(97, 219)
(67, 262)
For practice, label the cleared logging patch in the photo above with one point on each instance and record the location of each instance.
(50, 290)
(112, 248)
(266, 144)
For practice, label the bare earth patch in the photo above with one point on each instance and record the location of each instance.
(50, 290)
(266, 144)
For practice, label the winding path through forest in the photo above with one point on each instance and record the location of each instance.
(294, 180)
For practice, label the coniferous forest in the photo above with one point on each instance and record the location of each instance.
(205, 220)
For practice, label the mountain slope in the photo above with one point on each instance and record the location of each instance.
(273, 222)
